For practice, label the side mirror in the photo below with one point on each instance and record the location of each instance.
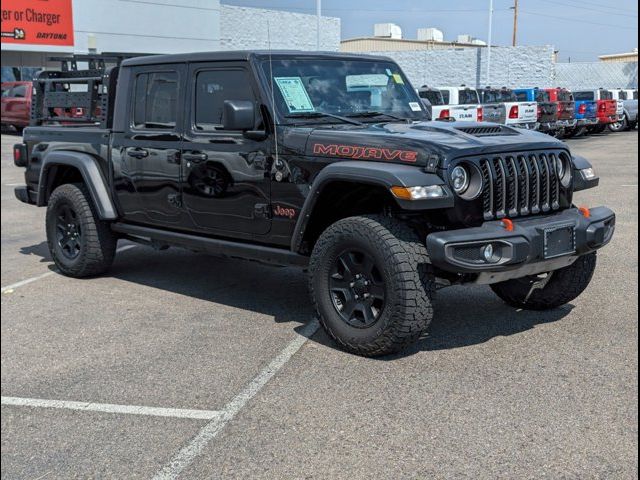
(238, 115)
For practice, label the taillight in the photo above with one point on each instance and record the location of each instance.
(602, 107)
(514, 112)
(559, 107)
(539, 110)
(582, 109)
(445, 113)
(480, 114)
(20, 155)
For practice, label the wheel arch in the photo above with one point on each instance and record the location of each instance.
(361, 187)
(61, 167)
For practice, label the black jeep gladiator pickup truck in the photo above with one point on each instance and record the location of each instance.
(318, 160)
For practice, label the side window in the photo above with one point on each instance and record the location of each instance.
(521, 96)
(446, 97)
(155, 100)
(213, 87)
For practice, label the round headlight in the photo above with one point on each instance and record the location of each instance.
(563, 169)
(460, 179)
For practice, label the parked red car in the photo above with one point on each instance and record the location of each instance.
(16, 104)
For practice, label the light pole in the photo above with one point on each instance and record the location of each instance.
(319, 18)
(515, 23)
(489, 42)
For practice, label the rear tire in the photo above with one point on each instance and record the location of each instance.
(81, 244)
(379, 257)
(564, 286)
(619, 126)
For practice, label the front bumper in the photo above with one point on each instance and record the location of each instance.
(25, 195)
(523, 251)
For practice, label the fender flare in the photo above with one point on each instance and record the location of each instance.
(579, 183)
(91, 174)
(379, 174)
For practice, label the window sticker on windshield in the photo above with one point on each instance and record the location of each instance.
(294, 94)
(398, 79)
(415, 106)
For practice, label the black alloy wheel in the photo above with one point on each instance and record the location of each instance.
(357, 289)
(68, 231)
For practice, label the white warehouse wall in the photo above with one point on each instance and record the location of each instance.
(244, 28)
(151, 26)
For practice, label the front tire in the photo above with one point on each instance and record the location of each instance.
(564, 286)
(81, 244)
(369, 286)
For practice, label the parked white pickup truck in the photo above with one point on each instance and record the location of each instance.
(516, 114)
(460, 103)
(627, 109)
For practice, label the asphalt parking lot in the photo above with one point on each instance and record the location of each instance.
(178, 364)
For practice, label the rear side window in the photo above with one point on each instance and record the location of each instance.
(606, 95)
(521, 96)
(468, 97)
(622, 95)
(156, 100)
(446, 97)
(635, 95)
(584, 96)
(542, 96)
(213, 87)
(565, 96)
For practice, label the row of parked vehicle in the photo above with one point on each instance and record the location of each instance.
(555, 111)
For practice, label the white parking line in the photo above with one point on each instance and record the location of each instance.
(14, 184)
(194, 448)
(111, 408)
(629, 185)
(21, 283)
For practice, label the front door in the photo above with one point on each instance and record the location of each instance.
(146, 156)
(225, 185)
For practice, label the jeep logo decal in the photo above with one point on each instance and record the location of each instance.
(366, 153)
(279, 211)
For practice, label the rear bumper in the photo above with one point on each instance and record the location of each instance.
(567, 123)
(585, 122)
(523, 251)
(25, 195)
(526, 125)
(547, 126)
(606, 120)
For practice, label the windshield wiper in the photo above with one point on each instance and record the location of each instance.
(321, 115)
(378, 114)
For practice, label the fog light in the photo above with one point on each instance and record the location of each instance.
(490, 254)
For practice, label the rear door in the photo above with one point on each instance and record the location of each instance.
(146, 156)
(225, 175)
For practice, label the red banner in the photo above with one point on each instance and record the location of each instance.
(37, 22)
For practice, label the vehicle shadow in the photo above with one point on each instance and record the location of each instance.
(39, 250)
(464, 316)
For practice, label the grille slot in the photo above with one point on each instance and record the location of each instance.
(520, 184)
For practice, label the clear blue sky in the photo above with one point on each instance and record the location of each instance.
(579, 29)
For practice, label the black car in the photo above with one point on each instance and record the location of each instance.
(322, 161)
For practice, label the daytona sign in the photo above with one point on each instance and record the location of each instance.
(37, 22)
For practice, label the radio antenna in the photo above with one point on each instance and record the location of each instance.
(273, 96)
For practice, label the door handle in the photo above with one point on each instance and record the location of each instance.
(195, 157)
(137, 152)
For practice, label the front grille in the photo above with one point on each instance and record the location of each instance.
(520, 184)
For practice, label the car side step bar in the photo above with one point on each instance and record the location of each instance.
(213, 246)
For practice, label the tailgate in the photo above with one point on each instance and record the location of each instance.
(464, 113)
(494, 113)
(528, 112)
(547, 112)
(566, 110)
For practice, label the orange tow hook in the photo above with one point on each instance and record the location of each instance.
(508, 224)
(586, 213)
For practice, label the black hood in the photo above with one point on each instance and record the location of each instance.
(421, 143)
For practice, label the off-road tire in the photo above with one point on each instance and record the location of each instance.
(401, 259)
(564, 286)
(97, 241)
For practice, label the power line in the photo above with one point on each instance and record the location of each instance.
(590, 9)
(577, 20)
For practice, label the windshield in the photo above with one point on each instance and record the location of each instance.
(434, 96)
(468, 97)
(565, 96)
(584, 95)
(311, 87)
(498, 96)
(542, 96)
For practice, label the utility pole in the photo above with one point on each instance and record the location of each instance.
(489, 42)
(515, 23)
(319, 18)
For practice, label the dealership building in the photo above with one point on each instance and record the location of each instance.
(35, 30)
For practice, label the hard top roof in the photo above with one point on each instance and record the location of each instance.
(243, 55)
